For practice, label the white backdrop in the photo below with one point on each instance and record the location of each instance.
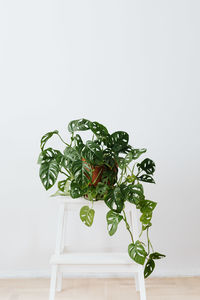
(132, 65)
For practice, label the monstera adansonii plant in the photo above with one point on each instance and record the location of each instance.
(104, 168)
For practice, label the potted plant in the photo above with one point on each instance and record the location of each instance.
(104, 168)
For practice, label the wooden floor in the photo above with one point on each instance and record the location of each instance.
(101, 289)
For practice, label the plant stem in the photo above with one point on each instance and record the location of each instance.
(64, 173)
(106, 164)
(62, 140)
(127, 226)
(129, 169)
(148, 240)
(98, 175)
(151, 245)
(121, 177)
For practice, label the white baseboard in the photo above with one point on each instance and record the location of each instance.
(46, 274)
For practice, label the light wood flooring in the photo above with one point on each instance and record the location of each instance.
(101, 289)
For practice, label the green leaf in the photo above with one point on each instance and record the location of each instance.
(147, 165)
(40, 158)
(146, 218)
(64, 191)
(109, 176)
(50, 160)
(92, 153)
(146, 178)
(101, 190)
(126, 160)
(114, 199)
(137, 252)
(61, 185)
(147, 206)
(99, 130)
(79, 125)
(137, 152)
(134, 193)
(145, 226)
(81, 172)
(79, 143)
(120, 162)
(113, 220)
(119, 141)
(75, 190)
(109, 158)
(149, 267)
(91, 192)
(49, 172)
(87, 215)
(49, 154)
(71, 154)
(46, 137)
(130, 156)
(156, 255)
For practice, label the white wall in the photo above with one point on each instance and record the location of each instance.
(132, 65)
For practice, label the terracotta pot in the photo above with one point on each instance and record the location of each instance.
(97, 172)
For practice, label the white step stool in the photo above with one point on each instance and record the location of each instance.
(92, 262)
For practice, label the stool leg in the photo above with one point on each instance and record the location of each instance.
(54, 271)
(142, 285)
(137, 286)
(59, 281)
(60, 230)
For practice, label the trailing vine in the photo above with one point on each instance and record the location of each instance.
(103, 169)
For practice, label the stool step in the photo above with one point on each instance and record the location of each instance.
(92, 258)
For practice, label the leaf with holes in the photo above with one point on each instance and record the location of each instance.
(79, 143)
(146, 178)
(114, 199)
(137, 152)
(79, 125)
(87, 215)
(50, 160)
(99, 130)
(109, 176)
(61, 185)
(130, 156)
(109, 158)
(101, 190)
(46, 137)
(75, 190)
(49, 154)
(40, 158)
(147, 206)
(134, 193)
(92, 153)
(146, 218)
(145, 226)
(149, 267)
(82, 172)
(113, 219)
(49, 172)
(71, 154)
(119, 141)
(124, 162)
(156, 255)
(64, 191)
(147, 165)
(120, 162)
(137, 252)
